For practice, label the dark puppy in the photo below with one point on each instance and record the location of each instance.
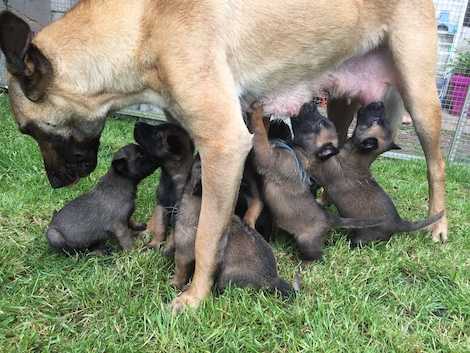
(173, 147)
(348, 180)
(287, 191)
(105, 212)
(245, 258)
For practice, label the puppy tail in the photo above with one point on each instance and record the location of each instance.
(407, 226)
(354, 223)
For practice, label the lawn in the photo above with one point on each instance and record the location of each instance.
(407, 295)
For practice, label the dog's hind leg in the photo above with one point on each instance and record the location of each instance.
(157, 226)
(413, 47)
(183, 270)
(169, 248)
(124, 236)
(55, 239)
(310, 244)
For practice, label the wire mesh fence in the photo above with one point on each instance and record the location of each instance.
(453, 82)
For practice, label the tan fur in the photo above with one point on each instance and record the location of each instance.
(196, 57)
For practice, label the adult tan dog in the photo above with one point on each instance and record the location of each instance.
(199, 59)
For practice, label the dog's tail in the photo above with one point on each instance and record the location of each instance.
(287, 290)
(407, 226)
(354, 223)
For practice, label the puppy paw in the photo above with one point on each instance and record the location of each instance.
(178, 283)
(439, 231)
(169, 250)
(153, 245)
(140, 227)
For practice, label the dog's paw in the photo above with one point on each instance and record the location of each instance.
(178, 283)
(184, 301)
(140, 227)
(153, 245)
(439, 231)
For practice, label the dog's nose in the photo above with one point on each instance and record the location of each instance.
(79, 156)
(376, 108)
(327, 151)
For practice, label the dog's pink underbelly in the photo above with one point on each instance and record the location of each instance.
(365, 78)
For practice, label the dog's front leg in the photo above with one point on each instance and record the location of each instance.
(341, 112)
(263, 151)
(255, 203)
(211, 112)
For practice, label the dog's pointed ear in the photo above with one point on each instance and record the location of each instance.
(394, 146)
(15, 40)
(24, 60)
(174, 145)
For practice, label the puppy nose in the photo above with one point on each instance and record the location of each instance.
(376, 108)
(327, 151)
(79, 156)
(375, 120)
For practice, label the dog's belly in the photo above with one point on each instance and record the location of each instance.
(365, 78)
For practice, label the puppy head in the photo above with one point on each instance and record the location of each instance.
(315, 133)
(373, 133)
(194, 180)
(278, 129)
(134, 163)
(164, 141)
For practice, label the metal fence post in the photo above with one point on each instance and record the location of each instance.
(454, 145)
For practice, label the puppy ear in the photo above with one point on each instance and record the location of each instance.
(24, 60)
(394, 146)
(120, 166)
(368, 145)
(119, 163)
(174, 144)
(197, 188)
(327, 151)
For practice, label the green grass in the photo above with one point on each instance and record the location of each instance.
(407, 295)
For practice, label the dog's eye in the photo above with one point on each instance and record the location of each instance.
(50, 125)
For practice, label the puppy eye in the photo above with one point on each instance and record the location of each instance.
(50, 125)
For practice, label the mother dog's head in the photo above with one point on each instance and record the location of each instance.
(43, 107)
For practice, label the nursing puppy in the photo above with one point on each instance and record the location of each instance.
(250, 205)
(287, 192)
(244, 258)
(172, 146)
(105, 212)
(347, 177)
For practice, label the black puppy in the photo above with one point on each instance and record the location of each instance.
(105, 212)
(347, 177)
(172, 146)
(245, 259)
